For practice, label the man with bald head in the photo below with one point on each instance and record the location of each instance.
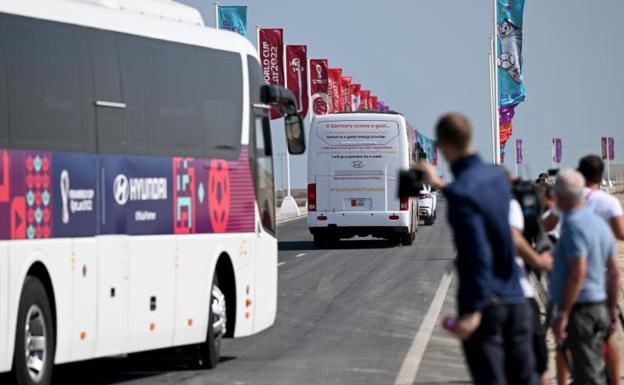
(584, 281)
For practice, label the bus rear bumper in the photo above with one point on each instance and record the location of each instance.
(380, 224)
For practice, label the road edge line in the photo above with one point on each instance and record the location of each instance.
(413, 358)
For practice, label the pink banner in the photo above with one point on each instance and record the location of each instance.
(519, 155)
(356, 97)
(271, 49)
(345, 85)
(335, 92)
(297, 76)
(319, 87)
(603, 148)
(364, 100)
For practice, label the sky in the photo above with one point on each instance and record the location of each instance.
(427, 57)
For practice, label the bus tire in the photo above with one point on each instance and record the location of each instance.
(429, 221)
(209, 351)
(34, 337)
(408, 239)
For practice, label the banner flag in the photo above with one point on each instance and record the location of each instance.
(297, 76)
(506, 115)
(519, 155)
(611, 147)
(435, 154)
(271, 49)
(603, 148)
(509, 61)
(333, 87)
(319, 87)
(233, 18)
(345, 86)
(365, 100)
(374, 103)
(356, 97)
(557, 150)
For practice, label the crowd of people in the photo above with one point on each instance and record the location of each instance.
(499, 320)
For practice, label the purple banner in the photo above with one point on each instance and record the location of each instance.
(557, 150)
(519, 157)
(611, 146)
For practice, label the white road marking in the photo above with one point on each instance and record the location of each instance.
(411, 363)
(300, 255)
(280, 264)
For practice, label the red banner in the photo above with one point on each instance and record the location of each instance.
(271, 48)
(320, 102)
(603, 148)
(345, 85)
(364, 100)
(356, 97)
(297, 76)
(611, 148)
(333, 84)
(373, 103)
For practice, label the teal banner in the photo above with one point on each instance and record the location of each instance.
(509, 60)
(233, 18)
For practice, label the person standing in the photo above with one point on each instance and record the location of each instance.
(610, 210)
(494, 319)
(585, 297)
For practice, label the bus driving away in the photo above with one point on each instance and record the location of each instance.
(353, 164)
(137, 206)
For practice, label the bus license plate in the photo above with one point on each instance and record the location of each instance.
(358, 202)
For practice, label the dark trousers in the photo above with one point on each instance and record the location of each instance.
(587, 332)
(501, 350)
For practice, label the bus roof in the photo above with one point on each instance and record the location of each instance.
(158, 19)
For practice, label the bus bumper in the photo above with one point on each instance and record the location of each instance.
(380, 224)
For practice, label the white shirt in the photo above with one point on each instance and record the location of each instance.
(602, 203)
(516, 220)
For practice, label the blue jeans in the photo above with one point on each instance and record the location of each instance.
(501, 350)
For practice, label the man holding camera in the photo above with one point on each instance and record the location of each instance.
(494, 318)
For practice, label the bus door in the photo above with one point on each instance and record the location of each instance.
(266, 243)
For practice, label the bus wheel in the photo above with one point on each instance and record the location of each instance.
(34, 339)
(408, 239)
(429, 220)
(210, 350)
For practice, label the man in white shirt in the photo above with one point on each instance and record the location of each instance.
(538, 262)
(610, 209)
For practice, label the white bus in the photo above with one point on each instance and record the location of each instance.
(137, 206)
(353, 165)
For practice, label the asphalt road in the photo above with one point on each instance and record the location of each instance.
(345, 316)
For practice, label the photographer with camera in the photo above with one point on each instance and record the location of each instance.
(494, 321)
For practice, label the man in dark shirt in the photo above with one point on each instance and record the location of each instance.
(494, 318)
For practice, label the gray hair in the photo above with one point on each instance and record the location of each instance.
(569, 185)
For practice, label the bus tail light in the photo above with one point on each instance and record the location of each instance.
(394, 217)
(404, 203)
(312, 197)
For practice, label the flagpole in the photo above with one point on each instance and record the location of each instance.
(492, 105)
(286, 85)
(497, 154)
(309, 80)
(258, 28)
(216, 9)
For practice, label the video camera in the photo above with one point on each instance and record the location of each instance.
(527, 194)
(410, 181)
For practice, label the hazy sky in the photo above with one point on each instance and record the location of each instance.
(425, 57)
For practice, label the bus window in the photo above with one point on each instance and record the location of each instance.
(42, 61)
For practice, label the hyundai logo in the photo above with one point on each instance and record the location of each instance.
(121, 189)
(357, 164)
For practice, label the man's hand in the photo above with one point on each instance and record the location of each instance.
(546, 260)
(467, 325)
(560, 326)
(431, 177)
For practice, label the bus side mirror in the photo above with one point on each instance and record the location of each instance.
(284, 100)
(294, 134)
